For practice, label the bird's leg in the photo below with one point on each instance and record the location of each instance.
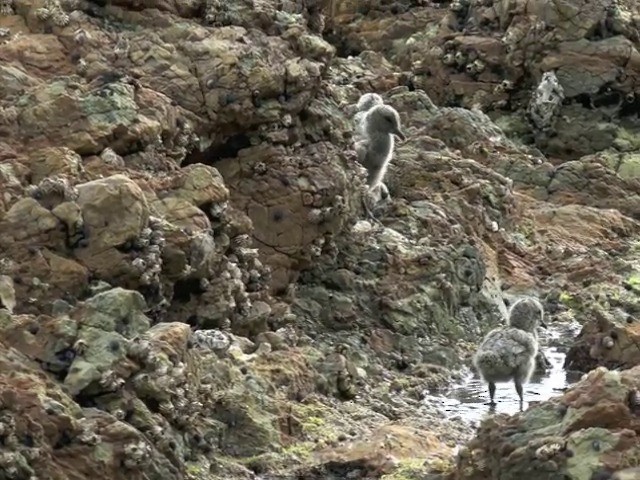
(492, 393)
(519, 390)
(366, 197)
(369, 212)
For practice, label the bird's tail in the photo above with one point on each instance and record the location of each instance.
(485, 362)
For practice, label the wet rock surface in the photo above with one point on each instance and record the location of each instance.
(190, 287)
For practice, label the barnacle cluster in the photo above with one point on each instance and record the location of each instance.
(148, 254)
(54, 13)
(253, 273)
(217, 13)
(110, 157)
(324, 214)
(464, 60)
(81, 36)
(214, 340)
(185, 141)
(52, 191)
(137, 455)
(234, 278)
(546, 101)
(164, 382)
(504, 86)
(82, 67)
(6, 7)
(14, 465)
(460, 7)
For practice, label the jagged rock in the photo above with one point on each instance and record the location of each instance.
(114, 211)
(40, 410)
(383, 454)
(200, 185)
(35, 222)
(82, 119)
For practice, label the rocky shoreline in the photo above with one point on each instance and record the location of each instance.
(189, 288)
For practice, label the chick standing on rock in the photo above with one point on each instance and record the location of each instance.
(376, 148)
(365, 103)
(508, 353)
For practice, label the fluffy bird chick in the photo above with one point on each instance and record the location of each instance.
(508, 353)
(368, 101)
(376, 148)
(365, 103)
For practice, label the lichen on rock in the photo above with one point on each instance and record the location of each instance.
(190, 287)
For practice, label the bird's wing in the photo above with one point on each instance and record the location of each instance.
(358, 125)
(521, 342)
(511, 340)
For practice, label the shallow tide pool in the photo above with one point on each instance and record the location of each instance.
(468, 399)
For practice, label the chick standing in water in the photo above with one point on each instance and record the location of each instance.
(508, 353)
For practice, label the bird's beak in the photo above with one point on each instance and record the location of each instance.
(400, 135)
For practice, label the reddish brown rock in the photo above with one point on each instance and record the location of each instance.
(607, 339)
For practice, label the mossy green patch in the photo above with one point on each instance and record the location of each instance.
(569, 300)
(633, 281)
(627, 141)
(629, 167)
(588, 445)
(412, 469)
(418, 468)
(193, 469)
(300, 450)
(313, 422)
(103, 453)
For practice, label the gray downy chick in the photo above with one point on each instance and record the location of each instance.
(508, 353)
(365, 103)
(375, 150)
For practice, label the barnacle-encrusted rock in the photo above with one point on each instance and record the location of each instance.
(591, 429)
(52, 11)
(546, 101)
(6, 7)
(166, 167)
(279, 203)
(52, 191)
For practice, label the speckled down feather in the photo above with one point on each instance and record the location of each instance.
(505, 354)
(365, 103)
